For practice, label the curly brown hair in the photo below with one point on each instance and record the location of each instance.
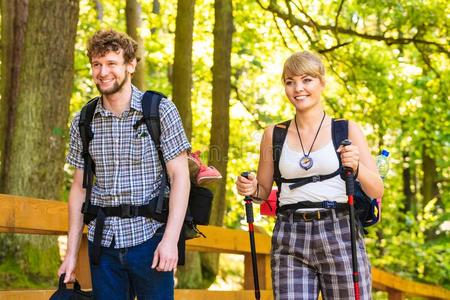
(104, 41)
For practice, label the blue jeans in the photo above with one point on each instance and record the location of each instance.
(125, 273)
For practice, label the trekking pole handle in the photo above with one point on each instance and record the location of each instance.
(348, 172)
(248, 202)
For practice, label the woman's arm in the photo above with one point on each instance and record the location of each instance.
(260, 186)
(358, 153)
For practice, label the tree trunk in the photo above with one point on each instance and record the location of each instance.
(409, 198)
(430, 189)
(429, 186)
(99, 9)
(189, 275)
(39, 95)
(133, 16)
(182, 65)
(155, 10)
(14, 17)
(220, 119)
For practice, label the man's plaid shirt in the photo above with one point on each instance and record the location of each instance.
(127, 167)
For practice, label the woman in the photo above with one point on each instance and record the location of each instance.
(311, 247)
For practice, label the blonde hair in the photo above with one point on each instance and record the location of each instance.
(301, 63)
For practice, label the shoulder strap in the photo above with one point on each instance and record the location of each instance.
(339, 132)
(86, 135)
(278, 137)
(339, 129)
(150, 109)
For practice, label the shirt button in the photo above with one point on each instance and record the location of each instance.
(117, 141)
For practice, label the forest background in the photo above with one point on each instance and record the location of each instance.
(220, 62)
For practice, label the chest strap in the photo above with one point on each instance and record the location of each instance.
(298, 182)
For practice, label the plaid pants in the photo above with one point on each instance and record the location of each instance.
(308, 256)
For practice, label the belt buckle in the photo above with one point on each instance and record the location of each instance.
(305, 216)
(125, 210)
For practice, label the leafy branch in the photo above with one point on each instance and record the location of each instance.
(292, 20)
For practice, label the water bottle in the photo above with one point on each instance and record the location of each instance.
(382, 161)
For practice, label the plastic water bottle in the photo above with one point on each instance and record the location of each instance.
(382, 161)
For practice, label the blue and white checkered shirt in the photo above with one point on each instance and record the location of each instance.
(127, 167)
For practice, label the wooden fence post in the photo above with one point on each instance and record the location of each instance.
(264, 276)
(395, 295)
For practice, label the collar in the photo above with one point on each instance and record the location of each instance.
(135, 103)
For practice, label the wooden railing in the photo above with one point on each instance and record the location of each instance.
(36, 216)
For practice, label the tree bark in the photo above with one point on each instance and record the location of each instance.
(14, 17)
(99, 9)
(190, 275)
(133, 18)
(409, 197)
(429, 186)
(39, 77)
(37, 142)
(182, 65)
(220, 119)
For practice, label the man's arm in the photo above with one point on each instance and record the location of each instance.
(76, 198)
(166, 254)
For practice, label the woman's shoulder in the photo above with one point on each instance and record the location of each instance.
(353, 127)
(355, 132)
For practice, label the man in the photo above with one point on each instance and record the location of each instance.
(138, 255)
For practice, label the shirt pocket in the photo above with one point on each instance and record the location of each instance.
(141, 148)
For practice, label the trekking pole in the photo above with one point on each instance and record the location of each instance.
(251, 232)
(350, 191)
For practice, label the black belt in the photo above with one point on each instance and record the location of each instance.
(309, 204)
(308, 216)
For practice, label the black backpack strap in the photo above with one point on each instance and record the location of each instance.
(278, 137)
(298, 182)
(150, 109)
(86, 135)
(151, 118)
(339, 132)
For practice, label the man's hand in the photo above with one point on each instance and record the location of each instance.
(68, 267)
(165, 257)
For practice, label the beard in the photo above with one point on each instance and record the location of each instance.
(115, 88)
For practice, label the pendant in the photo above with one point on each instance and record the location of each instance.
(306, 162)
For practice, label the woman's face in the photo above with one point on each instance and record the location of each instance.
(303, 91)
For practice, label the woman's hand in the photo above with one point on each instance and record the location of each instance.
(349, 156)
(247, 186)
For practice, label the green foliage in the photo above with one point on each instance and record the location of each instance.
(33, 266)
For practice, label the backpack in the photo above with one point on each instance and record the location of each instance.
(367, 209)
(65, 293)
(200, 198)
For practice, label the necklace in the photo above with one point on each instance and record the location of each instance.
(306, 162)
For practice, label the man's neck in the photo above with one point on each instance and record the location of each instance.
(118, 102)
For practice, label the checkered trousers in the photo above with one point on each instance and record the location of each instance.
(316, 255)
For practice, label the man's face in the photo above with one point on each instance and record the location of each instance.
(110, 72)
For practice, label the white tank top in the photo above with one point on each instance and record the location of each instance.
(325, 162)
